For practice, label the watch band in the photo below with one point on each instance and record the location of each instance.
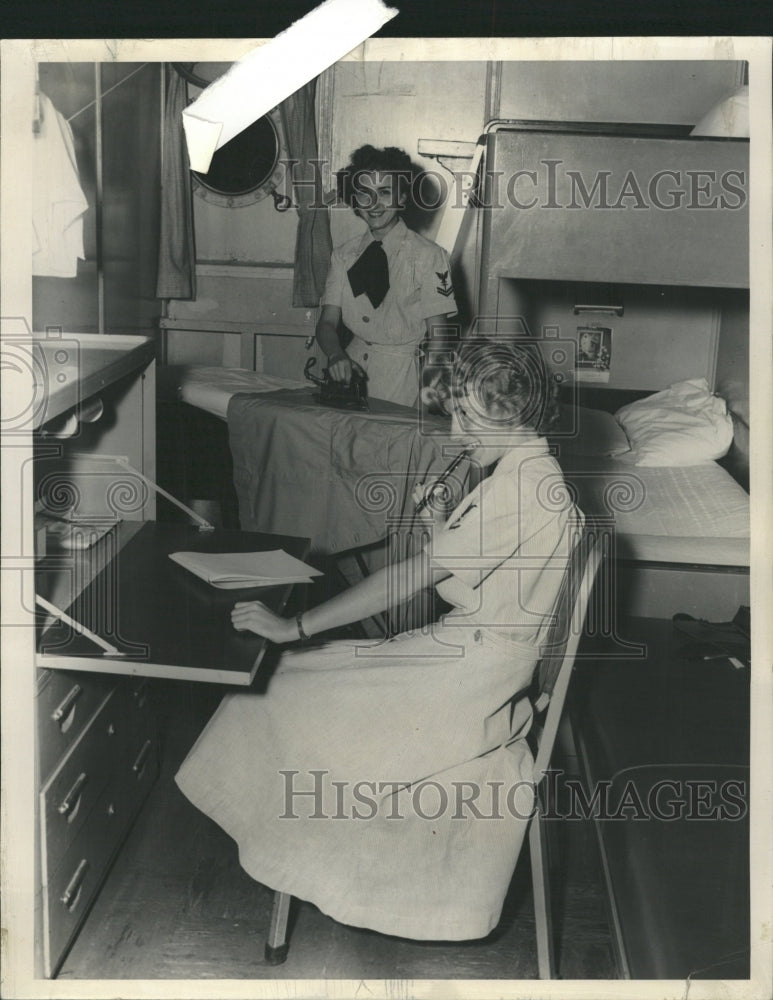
(299, 622)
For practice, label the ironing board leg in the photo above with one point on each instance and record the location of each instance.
(277, 944)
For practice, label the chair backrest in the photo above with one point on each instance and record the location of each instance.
(554, 670)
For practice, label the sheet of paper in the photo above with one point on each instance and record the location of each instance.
(235, 569)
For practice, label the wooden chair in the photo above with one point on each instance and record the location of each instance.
(550, 686)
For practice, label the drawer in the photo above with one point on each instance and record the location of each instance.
(138, 724)
(133, 779)
(73, 885)
(136, 693)
(65, 703)
(71, 793)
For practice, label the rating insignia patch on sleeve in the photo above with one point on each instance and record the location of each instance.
(445, 286)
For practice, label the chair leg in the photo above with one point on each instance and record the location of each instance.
(277, 944)
(540, 877)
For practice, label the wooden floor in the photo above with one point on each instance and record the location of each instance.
(177, 904)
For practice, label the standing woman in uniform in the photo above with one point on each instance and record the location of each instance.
(388, 287)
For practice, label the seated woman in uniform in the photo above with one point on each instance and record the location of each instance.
(389, 783)
(389, 286)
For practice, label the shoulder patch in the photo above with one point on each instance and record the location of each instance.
(445, 285)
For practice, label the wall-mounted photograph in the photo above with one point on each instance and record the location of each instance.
(594, 353)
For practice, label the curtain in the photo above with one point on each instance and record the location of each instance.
(177, 251)
(313, 244)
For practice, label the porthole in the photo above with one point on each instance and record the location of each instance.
(250, 166)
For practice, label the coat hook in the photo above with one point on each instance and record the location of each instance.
(38, 119)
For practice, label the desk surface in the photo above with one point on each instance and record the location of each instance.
(166, 621)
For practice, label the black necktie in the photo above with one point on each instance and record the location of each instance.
(370, 274)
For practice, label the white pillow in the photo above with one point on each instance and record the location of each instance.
(682, 425)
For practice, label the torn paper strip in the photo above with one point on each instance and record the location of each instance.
(267, 75)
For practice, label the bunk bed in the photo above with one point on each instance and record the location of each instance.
(575, 236)
(695, 514)
(580, 243)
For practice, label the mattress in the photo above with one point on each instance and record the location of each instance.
(210, 388)
(698, 514)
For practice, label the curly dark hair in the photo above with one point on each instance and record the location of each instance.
(504, 380)
(368, 159)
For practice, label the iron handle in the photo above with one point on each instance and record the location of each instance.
(312, 363)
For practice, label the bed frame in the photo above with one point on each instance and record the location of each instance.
(550, 225)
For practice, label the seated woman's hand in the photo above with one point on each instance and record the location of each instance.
(252, 616)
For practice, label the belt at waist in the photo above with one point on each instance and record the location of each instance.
(403, 350)
(506, 640)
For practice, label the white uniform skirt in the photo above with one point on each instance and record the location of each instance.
(389, 783)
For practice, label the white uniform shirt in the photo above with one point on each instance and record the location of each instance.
(386, 338)
(507, 545)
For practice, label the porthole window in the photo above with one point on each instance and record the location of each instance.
(250, 166)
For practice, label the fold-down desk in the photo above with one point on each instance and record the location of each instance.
(164, 621)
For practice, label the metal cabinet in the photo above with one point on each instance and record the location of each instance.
(626, 209)
(96, 738)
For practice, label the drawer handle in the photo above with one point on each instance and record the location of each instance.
(139, 765)
(66, 705)
(141, 694)
(69, 897)
(613, 310)
(72, 798)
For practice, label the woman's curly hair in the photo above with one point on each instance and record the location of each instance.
(370, 159)
(502, 380)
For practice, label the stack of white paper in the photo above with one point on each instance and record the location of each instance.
(231, 570)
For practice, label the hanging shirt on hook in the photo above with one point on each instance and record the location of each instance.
(58, 201)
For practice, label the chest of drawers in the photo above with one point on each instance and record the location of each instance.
(98, 757)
